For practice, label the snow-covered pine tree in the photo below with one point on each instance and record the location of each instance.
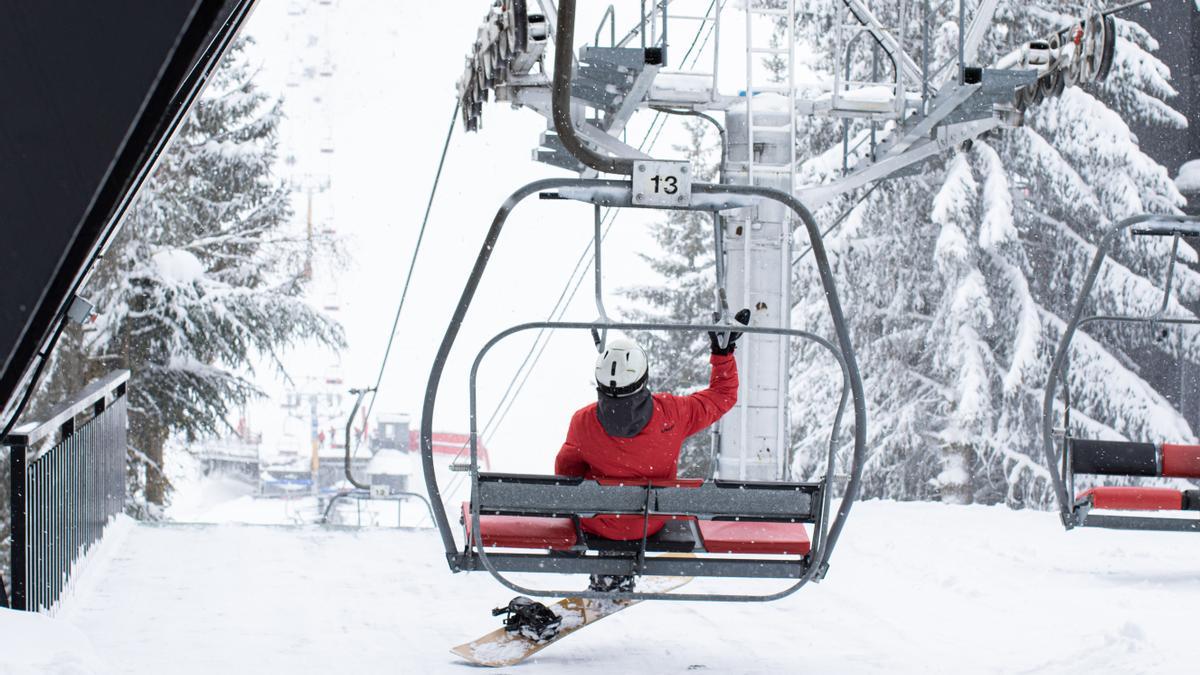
(204, 280)
(678, 361)
(956, 289)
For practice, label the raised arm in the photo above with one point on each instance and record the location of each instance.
(706, 406)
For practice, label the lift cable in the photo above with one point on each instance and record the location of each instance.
(560, 307)
(411, 266)
(488, 433)
(839, 220)
(539, 346)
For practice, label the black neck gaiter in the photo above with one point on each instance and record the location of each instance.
(625, 417)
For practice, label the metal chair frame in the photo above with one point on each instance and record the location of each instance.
(528, 494)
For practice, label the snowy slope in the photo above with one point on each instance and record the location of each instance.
(33, 644)
(915, 588)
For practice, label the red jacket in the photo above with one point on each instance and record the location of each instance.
(653, 453)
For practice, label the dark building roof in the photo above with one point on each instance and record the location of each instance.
(1175, 24)
(96, 89)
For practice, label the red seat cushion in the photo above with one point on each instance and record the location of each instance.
(734, 536)
(1134, 498)
(522, 531)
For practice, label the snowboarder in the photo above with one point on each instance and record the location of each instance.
(631, 433)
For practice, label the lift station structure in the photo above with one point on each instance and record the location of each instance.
(898, 104)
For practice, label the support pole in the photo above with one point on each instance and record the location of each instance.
(754, 438)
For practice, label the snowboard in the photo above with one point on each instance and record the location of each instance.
(501, 648)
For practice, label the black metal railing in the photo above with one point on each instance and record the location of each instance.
(67, 485)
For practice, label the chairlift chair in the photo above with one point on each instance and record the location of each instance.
(365, 490)
(1067, 456)
(530, 523)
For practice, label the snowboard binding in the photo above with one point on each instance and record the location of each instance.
(528, 618)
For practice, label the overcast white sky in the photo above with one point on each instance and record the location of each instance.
(389, 102)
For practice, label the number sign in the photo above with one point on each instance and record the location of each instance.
(662, 183)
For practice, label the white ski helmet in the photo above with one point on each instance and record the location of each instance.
(621, 369)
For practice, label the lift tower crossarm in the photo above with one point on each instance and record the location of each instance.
(948, 136)
(947, 102)
(539, 100)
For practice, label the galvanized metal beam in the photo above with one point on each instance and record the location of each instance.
(560, 496)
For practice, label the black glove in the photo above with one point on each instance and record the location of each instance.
(742, 317)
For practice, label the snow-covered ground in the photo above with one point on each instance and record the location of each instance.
(36, 644)
(915, 588)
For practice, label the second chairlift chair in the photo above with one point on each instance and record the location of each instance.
(1068, 456)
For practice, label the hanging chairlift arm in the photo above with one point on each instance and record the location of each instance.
(564, 44)
(359, 394)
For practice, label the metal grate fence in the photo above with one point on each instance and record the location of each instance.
(67, 483)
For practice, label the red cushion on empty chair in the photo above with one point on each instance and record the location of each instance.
(739, 536)
(522, 531)
(1181, 461)
(1134, 498)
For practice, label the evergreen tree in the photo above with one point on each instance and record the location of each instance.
(204, 280)
(686, 264)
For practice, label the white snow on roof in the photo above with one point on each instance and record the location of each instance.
(770, 102)
(394, 418)
(1189, 174)
(683, 82)
(390, 462)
